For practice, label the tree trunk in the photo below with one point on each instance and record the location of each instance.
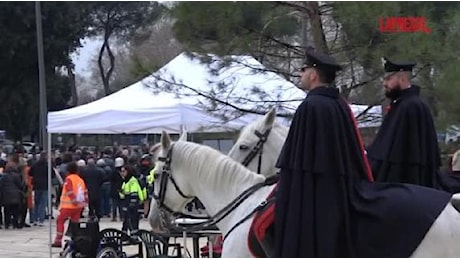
(105, 77)
(73, 87)
(304, 27)
(112, 63)
(316, 26)
(105, 82)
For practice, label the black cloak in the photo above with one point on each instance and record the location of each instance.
(325, 204)
(405, 149)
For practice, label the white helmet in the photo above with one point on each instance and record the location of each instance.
(81, 163)
(100, 162)
(119, 162)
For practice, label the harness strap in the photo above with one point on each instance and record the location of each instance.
(180, 214)
(257, 149)
(178, 189)
(269, 181)
(223, 212)
(229, 208)
(259, 166)
(259, 207)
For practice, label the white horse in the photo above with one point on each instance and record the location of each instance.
(251, 142)
(200, 171)
(438, 241)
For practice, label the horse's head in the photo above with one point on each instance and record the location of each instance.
(185, 170)
(259, 144)
(155, 149)
(170, 188)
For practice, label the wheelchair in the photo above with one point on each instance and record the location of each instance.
(84, 242)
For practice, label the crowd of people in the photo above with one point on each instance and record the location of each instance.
(109, 177)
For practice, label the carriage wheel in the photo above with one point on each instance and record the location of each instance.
(107, 252)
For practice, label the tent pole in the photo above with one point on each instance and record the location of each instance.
(50, 206)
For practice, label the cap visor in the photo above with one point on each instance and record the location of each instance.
(389, 74)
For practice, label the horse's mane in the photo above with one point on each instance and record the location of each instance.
(213, 165)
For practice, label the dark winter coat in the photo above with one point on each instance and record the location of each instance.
(12, 187)
(39, 172)
(93, 177)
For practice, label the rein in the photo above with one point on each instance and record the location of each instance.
(225, 211)
(221, 214)
(269, 181)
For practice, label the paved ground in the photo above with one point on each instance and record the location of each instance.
(34, 241)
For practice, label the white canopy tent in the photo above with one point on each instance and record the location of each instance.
(367, 117)
(137, 110)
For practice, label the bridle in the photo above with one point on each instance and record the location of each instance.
(257, 149)
(210, 221)
(165, 176)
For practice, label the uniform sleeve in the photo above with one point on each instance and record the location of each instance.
(151, 177)
(144, 191)
(140, 192)
(121, 193)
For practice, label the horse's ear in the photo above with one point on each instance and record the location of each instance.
(270, 117)
(165, 140)
(154, 149)
(183, 136)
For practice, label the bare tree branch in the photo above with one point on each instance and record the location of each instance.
(297, 7)
(202, 94)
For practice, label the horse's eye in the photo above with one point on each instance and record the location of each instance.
(244, 147)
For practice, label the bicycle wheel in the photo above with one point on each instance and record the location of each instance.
(107, 252)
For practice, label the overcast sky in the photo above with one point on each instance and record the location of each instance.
(82, 56)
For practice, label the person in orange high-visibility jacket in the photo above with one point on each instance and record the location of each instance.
(74, 198)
